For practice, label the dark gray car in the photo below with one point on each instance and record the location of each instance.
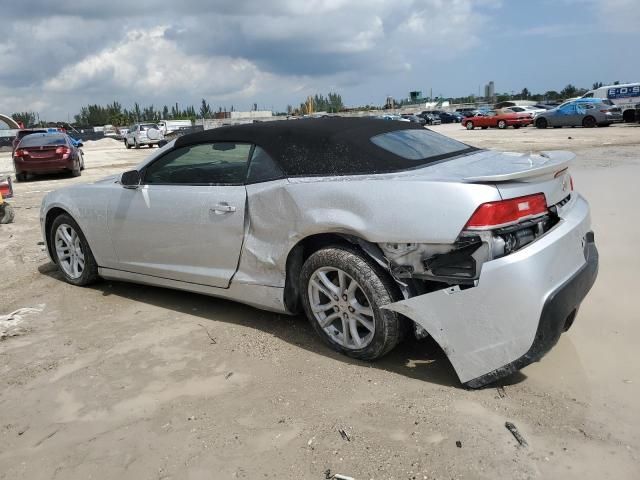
(584, 112)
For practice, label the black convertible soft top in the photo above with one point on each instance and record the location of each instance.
(321, 146)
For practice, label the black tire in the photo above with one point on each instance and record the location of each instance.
(126, 144)
(542, 123)
(502, 124)
(81, 162)
(469, 125)
(7, 214)
(379, 289)
(21, 177)
(589, 122)
(77, 170)
(90, 271)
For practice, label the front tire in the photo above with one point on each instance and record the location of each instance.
(126, 144)
(542, 123)
(71, 252)
(469, 125)
(342, 292)
(502, 124)
(588, 122)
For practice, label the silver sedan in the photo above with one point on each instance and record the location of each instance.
(374, 229)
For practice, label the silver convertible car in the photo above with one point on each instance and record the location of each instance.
(374, 229)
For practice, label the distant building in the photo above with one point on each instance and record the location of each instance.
(490, 92)
(415, 96)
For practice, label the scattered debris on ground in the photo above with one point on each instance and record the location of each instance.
(344, 434)
(9, 324)
(514, 431)
(211, 338)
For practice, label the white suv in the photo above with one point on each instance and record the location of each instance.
(143, 134)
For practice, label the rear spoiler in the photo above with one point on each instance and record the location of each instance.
(524, 166)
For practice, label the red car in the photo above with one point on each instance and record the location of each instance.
(498, 120)
(47, 153)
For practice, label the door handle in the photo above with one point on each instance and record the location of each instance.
(222, 208)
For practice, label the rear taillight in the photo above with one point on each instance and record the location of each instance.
(63, 150)
(498, 214)
(6, 188)
(20, 153)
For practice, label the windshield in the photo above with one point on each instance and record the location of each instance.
(418, 144)
(42, 140)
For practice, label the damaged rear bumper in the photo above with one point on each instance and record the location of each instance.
(520, 306)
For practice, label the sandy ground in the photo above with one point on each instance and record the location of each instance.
(124, 381)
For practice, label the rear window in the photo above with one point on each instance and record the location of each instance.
(40, 140)
(418, 144)
(24, 133)
(147, 127)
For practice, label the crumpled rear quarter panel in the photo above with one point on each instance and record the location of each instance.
(483, 328)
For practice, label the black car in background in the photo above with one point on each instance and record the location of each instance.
(446, 117)
(431, 118)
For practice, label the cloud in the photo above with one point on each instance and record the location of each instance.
(145, 61)
(59, 55)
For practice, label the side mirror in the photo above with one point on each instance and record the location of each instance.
(79, 144)
(130, 179)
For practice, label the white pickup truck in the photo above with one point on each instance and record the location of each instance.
(168, 126)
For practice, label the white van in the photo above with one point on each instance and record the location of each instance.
(168, 126)
(624, 96)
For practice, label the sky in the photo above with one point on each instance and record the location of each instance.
(58, 56)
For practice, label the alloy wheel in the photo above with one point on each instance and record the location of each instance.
(69, 251)
(341, 308)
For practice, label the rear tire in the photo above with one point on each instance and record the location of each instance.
(589, 122)
(502, 124)
(77, 246)
(7, 214)
(77, 171)
(542, 123)
(351, 288)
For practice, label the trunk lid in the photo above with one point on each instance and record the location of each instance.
(513, 174)
(42, 153)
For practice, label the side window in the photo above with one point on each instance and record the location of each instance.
(568, 109)
(588, 95)
(262, 167)
(581, 108)
(222, 163)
